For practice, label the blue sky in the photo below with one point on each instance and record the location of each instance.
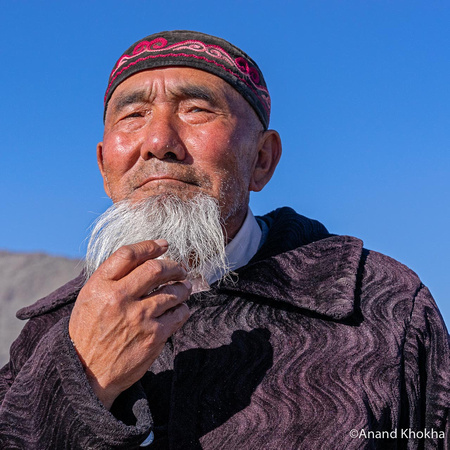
(360, 95)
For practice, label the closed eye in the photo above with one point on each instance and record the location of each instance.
(199, 109)
(134, 114)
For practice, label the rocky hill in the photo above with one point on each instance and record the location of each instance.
(24, 278)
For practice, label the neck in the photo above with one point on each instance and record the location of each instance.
(234, 223)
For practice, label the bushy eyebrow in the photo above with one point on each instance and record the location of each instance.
(192, 91)
(186, 92)
(129, 98)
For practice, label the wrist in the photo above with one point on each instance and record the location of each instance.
(105, 395)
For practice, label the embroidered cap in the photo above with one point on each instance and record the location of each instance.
(200, 51)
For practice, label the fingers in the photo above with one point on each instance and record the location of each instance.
(169, 322)
(172, 320)
(150, 275)
(127, 258)
(166, 298)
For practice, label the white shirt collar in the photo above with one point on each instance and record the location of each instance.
(239, 251)
(243, 246)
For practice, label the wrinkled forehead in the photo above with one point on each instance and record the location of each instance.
(177, 84)
(200, 51)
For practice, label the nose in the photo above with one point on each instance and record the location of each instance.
(162, 138)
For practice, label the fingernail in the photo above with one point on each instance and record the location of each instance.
(188, 284)
(162, 242)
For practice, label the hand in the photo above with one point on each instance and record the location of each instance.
(124, 315)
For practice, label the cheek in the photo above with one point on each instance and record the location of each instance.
(208, 152)
(231, 181)
(119, 154)
(236, 163)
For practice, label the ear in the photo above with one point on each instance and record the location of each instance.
(269, 154)
(102, 168)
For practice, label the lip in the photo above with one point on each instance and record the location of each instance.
(167, 178)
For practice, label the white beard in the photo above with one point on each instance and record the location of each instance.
(192, 228)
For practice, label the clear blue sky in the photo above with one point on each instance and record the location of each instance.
(360, 94)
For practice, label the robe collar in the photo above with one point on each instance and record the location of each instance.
(320, 277)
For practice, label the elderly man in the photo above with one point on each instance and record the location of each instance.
(195, 324)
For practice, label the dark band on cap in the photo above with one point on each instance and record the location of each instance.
(200, 51)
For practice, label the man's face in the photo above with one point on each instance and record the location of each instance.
(183, 131)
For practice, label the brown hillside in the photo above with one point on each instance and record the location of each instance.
(24, 278)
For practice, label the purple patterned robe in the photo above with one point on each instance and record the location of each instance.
(317, 340)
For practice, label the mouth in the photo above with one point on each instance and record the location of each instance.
(168, 179)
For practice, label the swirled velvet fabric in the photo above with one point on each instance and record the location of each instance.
(314, 340)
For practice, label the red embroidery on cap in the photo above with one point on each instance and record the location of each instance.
(243, 65)
(155, 45)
